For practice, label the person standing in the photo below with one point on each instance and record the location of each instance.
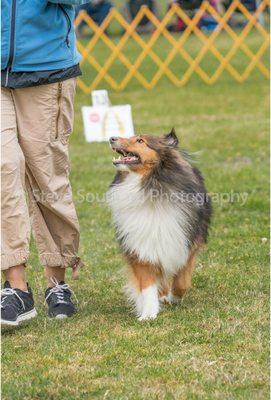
(39, 67)
(97, 10)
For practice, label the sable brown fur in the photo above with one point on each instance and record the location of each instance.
(167, 178)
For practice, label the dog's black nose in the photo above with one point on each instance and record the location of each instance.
(113, 139)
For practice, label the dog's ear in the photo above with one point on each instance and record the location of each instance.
(171, 138)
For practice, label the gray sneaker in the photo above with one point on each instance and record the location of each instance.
(58, 298)
(17, 305)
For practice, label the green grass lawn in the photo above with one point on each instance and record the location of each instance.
(214, 345)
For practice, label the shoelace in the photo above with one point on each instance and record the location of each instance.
(58, 290)
(10, 292)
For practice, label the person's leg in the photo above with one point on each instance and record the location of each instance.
(45, 120)
(54, 272)
(16, 276)
(15, 227)
(17, 302)
(87, 8)
(102, 12)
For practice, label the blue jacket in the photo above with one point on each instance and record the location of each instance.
(38, 35)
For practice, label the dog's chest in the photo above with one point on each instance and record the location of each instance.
(152, 229)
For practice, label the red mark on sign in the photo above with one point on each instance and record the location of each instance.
(94, 117)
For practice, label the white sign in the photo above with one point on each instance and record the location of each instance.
(100, 122)
(100, 98)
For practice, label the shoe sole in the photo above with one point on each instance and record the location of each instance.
(21, 318)
(61, 316)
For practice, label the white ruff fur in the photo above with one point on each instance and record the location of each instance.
(153, 230)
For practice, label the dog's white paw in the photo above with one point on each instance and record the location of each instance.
(149, 303)
(167, 299)
(170, 299)
(147, 317)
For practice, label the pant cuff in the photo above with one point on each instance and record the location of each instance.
(57, 260)
(16, 258)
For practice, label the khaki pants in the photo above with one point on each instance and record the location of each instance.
(36, 124)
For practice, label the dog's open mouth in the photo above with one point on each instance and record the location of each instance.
(126, 158)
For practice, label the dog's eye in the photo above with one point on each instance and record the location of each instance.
(140, 140)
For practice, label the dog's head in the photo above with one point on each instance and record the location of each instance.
(142, 153)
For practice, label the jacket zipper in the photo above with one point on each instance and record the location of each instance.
(68, 22)
(59, 94)
(12, 37)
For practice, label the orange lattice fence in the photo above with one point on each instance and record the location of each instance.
(177, 43)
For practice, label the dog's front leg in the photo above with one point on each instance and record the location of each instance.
(143, 290)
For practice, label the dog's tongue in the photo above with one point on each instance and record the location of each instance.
(125, 159)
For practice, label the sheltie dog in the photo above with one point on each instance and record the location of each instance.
(161, 213)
